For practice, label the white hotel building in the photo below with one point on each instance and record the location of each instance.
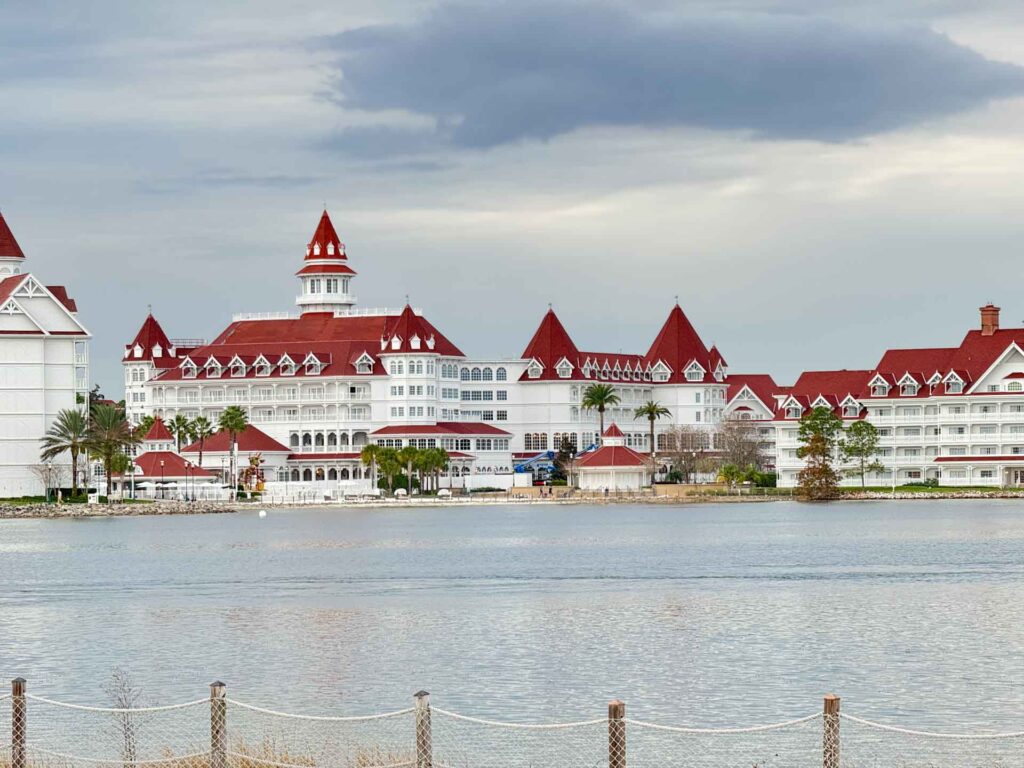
(331, 377)
(44, 366)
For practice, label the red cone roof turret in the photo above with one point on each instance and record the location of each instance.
(9, 248)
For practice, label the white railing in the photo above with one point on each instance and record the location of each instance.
(243, 316)
(374, 311)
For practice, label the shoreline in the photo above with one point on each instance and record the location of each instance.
(155, 508)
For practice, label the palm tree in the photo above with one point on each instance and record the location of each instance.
(234, 421)
(201, 429)
(109, 435)
(652, 411)
(597, 397)
(390, 465)
(369, 455)
(440, 464)
(408, 457)
(69, 432)
(181, 428)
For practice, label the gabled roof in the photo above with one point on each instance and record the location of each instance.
(678, 345)
(613, 431)
(550, 343)
(407, 326)
(60, 293)
(9, 248)
(834, 386)
(159, 432)
(762, 385)
(252, 440)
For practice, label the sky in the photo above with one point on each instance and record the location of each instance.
(815, 180)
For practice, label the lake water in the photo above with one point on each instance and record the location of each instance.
(716, 614)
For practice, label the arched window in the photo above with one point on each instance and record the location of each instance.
(1015, 386)
(293, 441)
(319, 440)
(357, 473)
(295, 475)
(319, 473)
(307, 474)
(476, 375)
(501, 375)
(464, 374)
(307, 440)
(332, 474)
(344, 474)
(332, 440)
(488, 374)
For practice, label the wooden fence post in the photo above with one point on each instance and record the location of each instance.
(830, 732)
(616, 734)
(19, 722)
(218, 725)
(424, 745)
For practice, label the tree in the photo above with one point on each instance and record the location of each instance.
(819, 434)
(109, 435)
(181, 428)
(69, 432)
(598, 397)
(564, 460)
(368, 455)
(408, 456)
(439, 464)
(738, 443)
(233, 421)
(652, 411)
(49, 475)
(731, 474)
(686, 447)
(120, 466)
(144, 425)
(201, 430)
(390, 465)
(860, 445)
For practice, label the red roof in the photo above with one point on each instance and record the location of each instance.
(252, 440)
(761, 384)
(338, 342)
(678, 345)
(159, 431)
(328, 269)
(9, 248)
(406, 327)
(323, 456)
(613, 431)
(149, 336)
(61, 294)
(1012, 457)
(551, 344)
(9, 284)
(325, 243)
(612, 456)
(442, 428)
(174, 466)
(834, 386)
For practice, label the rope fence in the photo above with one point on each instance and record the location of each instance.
(221, 732)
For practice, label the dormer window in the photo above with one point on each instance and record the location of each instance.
(286, 367)
(564, 369)
(851, 411)
(909, 390)
(364, 364)
(262, 367)
(414, 342)
(879, 390)
(158, 351)
(793, 412)
(431, 342)
(213, 369)
(396, 342)
(954, 386)
(189, 370)
(316, 249)
(138, 350)
(695, 373)
(238, 369)
(312, 365)
(330, 249)
(534, 370)
(719, 373)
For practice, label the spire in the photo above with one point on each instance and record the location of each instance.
(551, 342)
(325, 243)
(9, 248)
(149, 339)
(407, 333)
(677, 345)
(158, 432)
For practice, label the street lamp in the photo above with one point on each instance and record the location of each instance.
(163, 488)
(188, 466)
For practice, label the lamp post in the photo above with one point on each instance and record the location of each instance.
(188, 466)
(163, 488)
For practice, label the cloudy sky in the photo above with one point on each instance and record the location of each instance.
(814, 179)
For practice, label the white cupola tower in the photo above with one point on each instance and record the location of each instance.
(326, 276)
(12, 259)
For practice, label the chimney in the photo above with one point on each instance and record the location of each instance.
(989, 319)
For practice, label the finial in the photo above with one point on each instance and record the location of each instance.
(407, 298)
(677, 299)
(549, 306)
(149, 308)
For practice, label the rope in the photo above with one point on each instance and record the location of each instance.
(534, 726)
(320, 718)
(276, 764)
(723, 731)
(104, 760)
(933, 734)
(115, 710)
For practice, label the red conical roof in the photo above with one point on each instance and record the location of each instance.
(677, 345)
(149, 335)
(551, 343)
(9, 248)
(325, 243)
(159, 432)
(406, 326)
(613, 431)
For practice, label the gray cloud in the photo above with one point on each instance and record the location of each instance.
(505, 72)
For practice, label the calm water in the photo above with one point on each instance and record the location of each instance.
(911, 609)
